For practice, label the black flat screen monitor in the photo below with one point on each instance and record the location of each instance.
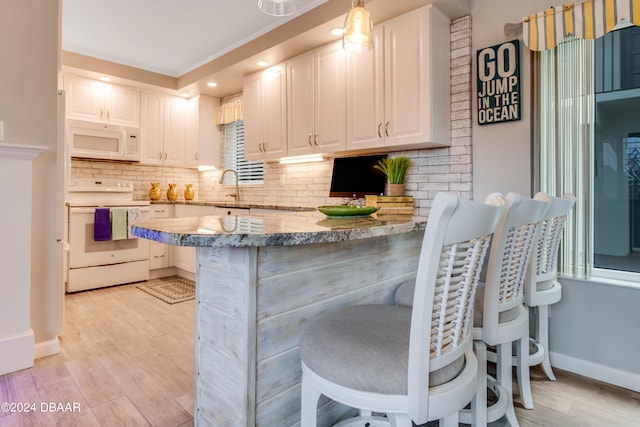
(356, 176)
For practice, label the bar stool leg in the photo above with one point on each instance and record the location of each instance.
(504, 378)
(542, 338)
(522, 367)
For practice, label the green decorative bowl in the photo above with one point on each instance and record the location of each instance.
(347, 210)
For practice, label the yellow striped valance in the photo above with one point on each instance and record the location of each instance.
(229, 112)
(587, 20)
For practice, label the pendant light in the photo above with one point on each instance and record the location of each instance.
(358, 28)
(277, 7)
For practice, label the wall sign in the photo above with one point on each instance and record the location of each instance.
(498, 83)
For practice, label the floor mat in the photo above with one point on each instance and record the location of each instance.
(171, 289)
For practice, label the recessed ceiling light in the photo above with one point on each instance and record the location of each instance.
(337, 31)
(262, 63)
(212, 84)
(105, 79)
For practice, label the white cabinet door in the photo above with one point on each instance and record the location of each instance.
(152, 129)
(85, 99)
(102, 102)
(184, 257)
(265, 124)
(274, 112)
(316, 101)
(192, 143)
(202, 136)
(160, 254)
(122, 106)
(398, 93)
(300, 103)
(365, 96)
(417, 71)
(253, 119)
(329, 99)
(175, 131)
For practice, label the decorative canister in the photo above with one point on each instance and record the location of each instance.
(188, 192)
(155, 193)
(172, 192)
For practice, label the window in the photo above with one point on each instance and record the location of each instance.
(617, 151)
(590, 145)
(249, 173)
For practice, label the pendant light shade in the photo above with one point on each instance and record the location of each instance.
(358, 28)
(277, 7)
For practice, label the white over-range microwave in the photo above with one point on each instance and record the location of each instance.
(93, 140)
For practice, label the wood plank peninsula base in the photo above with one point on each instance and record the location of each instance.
(259, 277)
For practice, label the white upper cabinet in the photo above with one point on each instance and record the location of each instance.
(316, 101)
(398, 94)
(265, 114)
(365, 95)
(102, 102)
(176, 111)
(163, 129)
(152, 128)
(202, 138)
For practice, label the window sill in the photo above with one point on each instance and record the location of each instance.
(616, 277)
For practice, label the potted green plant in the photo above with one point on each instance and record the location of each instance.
(395, 168)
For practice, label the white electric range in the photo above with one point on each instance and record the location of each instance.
(95, 264)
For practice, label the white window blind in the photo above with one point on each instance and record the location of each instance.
(249, 173)
(566, 145)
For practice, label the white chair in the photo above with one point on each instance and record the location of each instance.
(542, 287)
(410, 364)
(501, 318)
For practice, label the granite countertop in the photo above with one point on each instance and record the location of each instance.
(274, 229)
(233, 204)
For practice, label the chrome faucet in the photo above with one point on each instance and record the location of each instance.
(237, 194)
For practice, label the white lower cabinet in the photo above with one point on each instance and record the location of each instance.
(221, 210)
(184, 257)
(160, 254)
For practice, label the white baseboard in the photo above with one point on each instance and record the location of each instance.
(595, 371)
(47, 348)
(16, 351)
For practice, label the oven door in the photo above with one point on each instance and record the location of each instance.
(86, 252)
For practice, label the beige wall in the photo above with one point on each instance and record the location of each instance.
(28, 106)
(502, 151)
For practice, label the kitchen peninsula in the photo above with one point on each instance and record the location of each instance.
(259, 277)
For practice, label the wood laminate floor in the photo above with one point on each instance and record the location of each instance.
(127, 360)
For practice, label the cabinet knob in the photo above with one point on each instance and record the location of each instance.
(379, 133)
(309, 140)
(315, 138)
(161, 155)
(264, 146)
(386, 129)
(197, 156)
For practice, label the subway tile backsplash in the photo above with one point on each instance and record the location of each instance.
(141, 175)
